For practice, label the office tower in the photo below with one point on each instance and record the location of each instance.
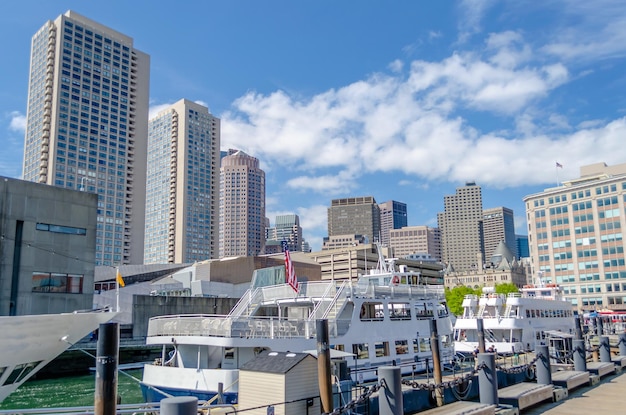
(498, 226)
(460, 226)
(287, 228)
(355, 216)
(87, 126)
(521, 243)
(575, 234)
(242, 206)
(410, 240)
(182, 185)
(392, 216)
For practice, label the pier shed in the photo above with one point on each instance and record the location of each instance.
(286, 381)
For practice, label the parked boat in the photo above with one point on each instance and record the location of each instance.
(383, 318)
(515, 322)
(29, 342)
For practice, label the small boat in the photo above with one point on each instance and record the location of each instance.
(382, 318)
(515, 322)
(29, 342)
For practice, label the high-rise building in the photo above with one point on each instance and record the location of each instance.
(575, 234)
(287, 228)
(521, 242)
(392, 216)
(498, 226)
(355, 216)
(87, 126)
(460, 226)
(411, 240)
(182, 186)
(242, 206)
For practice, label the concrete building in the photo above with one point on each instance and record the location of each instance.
(392, 216)
(411, 240)
(47, 248)
(286, 228)
(182, 188)
(87, 126)
(498, 226)
(242, 206)
(354, 216)
(576, 239)
(343, 241)
(460, 225)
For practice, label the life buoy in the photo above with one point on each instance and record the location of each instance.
(395, 280)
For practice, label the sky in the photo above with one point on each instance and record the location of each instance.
(404, 100)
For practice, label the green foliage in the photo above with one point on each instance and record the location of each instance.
(454, 298)
(506, 288)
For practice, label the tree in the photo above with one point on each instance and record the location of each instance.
(454, 298)
(506, 288)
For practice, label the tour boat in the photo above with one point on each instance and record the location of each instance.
(515, 322)
(29, 342)
(382, 318)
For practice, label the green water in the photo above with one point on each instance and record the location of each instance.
(70, 391)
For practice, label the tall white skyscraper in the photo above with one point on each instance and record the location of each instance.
(242, 205)
(182, 185)
(87, 126)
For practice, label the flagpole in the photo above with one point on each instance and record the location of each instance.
(117, 288)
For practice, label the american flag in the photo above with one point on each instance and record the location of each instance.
(290, 272)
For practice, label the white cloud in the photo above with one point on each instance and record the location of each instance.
(471, 13)
(18, 122)
(156, 108)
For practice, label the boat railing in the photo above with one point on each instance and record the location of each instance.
(399, 291)
(242, 327)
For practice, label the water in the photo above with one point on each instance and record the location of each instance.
(70, 392)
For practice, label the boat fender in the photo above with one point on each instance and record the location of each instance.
(395, 280)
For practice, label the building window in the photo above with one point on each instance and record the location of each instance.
(61, 229)
(46, 282)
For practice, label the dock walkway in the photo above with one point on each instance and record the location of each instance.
(606, 397)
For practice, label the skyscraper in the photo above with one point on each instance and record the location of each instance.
(498, 226)
(354, 216)
(415, 240)
(392, 216)
(87, 126)
(460, 226)
(242, 205)
(182, 188)
(287, 228)
(575, 235)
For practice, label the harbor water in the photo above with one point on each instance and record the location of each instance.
(70, 392)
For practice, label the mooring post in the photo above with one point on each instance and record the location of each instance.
(605, 349)
(580, 355)
(323, 366)
(578, 328)
(179, 405)
(434, 346)
(622, 344)
(599, 326)
(544, 375)
(390, 400)
(105, 396)
(480, 330)
(488, 379)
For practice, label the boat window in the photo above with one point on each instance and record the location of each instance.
(416, 348)
(527, 313)
(382, 349)
(446, 340)
(339, 347)
(229, 353)
(399, 311)
(402, 347)
(372, 311)
(424, 343)
(361, 350)
(423, 311)
(20, 372)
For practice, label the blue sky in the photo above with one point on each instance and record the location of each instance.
(403, 100)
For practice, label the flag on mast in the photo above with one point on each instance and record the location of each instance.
(119, 279)
(559, 165)
(290, 272)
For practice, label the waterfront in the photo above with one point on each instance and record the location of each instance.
(70, 391)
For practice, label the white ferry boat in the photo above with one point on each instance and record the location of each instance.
(30, 342)
(515, 322)
(383, 318)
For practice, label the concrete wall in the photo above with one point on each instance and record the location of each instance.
(25, 250)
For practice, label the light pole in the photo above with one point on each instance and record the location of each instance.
(82, 183)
